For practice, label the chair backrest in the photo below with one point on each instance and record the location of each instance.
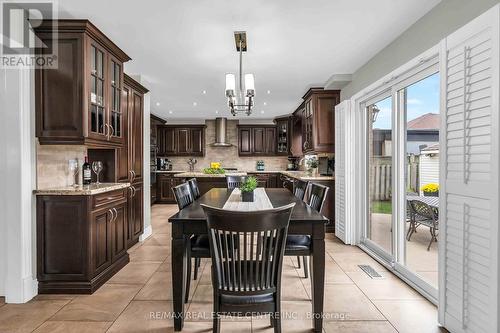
(316, 196)
(235, 181)
(424, 210)
(247, 249)
(183, 195)
(299, 188)
(193, 184)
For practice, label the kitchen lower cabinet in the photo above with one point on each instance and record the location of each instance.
(135, 225)
(81, 241)
(164, 185)
(266, 180)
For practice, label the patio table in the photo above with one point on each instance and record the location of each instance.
(303, 221)
(431, 201)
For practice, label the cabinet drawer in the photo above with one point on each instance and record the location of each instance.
(105, 199)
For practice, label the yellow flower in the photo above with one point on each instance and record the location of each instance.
(431, 187)
(215, 165)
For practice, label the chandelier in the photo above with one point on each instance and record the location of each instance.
(240, 98)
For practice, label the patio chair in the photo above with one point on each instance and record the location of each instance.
(423, 214)
(247, 281)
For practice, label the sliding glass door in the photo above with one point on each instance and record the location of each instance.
(402, 176)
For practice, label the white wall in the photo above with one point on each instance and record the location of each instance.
(146, 167)
(17, 224)
(445, 18)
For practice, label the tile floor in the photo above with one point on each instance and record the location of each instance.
(138, 298)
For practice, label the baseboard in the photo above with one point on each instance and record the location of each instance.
(147, 232)
(29, 290)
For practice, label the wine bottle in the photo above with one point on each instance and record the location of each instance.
(87, 172)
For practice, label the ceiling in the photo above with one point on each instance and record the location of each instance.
(184, 48)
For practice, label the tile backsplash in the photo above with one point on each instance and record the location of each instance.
(228, 156)
(52, 164)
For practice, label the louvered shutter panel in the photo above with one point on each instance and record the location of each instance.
(342, 221)
(469, 195)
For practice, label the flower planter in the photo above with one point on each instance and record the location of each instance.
(431, 194)
(247, 196)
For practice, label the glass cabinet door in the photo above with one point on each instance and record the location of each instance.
(97, 91)
(283, 137)
(116, 119)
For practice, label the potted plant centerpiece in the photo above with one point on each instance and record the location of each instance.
(431, 190)
(247, 188)
(312, 166)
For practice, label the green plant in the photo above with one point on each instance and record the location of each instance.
(249, 184)
(214, 171)
(312, 163)
(430, 188)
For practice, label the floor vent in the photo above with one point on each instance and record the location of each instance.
(370, 271)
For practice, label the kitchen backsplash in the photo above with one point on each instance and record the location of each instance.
(228, 156)
(52, 164)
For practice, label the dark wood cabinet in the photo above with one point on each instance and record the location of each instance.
(283, 136)
(79, 101)
(166, 141)
(318, 120)
(81, 241)
(154, 122)
(266, 180)
(165, 182)
(181, 140)
(135, 226)
(256, 140)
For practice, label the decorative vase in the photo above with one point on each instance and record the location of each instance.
(431, 194)
(247, 196)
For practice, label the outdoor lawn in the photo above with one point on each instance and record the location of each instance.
(382, 207)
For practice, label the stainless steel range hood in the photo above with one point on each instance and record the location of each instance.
(221, 133)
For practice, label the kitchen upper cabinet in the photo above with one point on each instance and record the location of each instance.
(166, 141)
(79, 102)
(256, 140)
(283, 136)
(318, 120)
(181, 140)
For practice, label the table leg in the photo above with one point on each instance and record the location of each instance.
(178, 280)
(318, 282)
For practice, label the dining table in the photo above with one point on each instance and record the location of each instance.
(192, 220)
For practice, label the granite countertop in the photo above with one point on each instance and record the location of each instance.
(82, 189)
(302, 175)
(201, 174)
(170, 171)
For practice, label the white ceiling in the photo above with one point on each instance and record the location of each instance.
(183, 47)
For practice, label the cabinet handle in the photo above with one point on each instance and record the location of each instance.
(131, 191)
(106, 131)
(112, 215)
(116, 214)
(134, 190)
(112, 130)
(133, 175)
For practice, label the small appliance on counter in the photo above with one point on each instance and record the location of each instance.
(163, 164)
(326, 166)
(293, 163)
(260, 165)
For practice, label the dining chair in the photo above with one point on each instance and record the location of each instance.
(235, 181)
(295, 242)
(300, 245)
(425, 215)
(198, 246)
(246, 272)
(193, 184)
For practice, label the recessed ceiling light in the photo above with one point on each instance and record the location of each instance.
(262, 111)
(268, 92)
(216, 111)
(194, 103)
(265, 103)
(170, 112)
(204, 92)
(157, 103)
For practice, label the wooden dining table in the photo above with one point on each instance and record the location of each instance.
(304, 221)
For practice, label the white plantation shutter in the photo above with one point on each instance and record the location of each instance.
(342, 171)
(469, 194)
